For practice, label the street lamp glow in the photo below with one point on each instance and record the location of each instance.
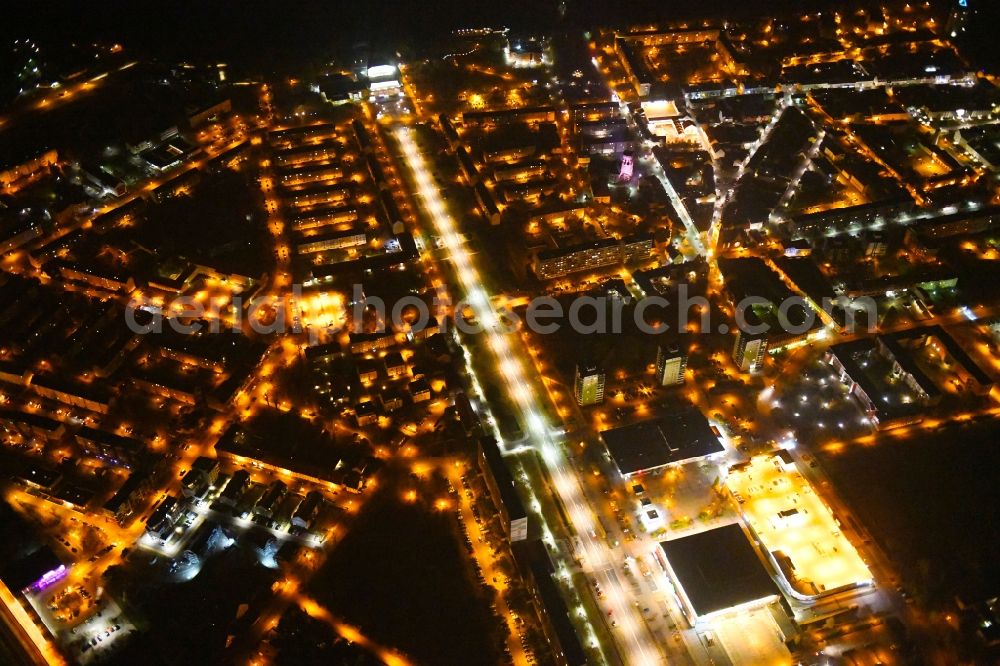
(639, 649)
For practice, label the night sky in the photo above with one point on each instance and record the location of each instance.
(281, 35)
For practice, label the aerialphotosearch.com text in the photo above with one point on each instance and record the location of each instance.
(584, 314)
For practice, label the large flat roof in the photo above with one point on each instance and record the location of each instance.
(674, 438)
(504, 480)
(718, 569)
(796, 527)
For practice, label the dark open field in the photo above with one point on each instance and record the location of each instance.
(399, 576)
(933, 501)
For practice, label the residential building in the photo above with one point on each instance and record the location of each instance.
(749, 350)
(501, 486)
(588, 385)
(671, 363)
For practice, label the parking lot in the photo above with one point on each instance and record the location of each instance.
(752, 638)
(97, 636)
(794, 523)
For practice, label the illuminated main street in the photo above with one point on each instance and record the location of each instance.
(637, 647)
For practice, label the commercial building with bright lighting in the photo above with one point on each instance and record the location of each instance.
(383, 81)
(802, 538)
(717, 573)
(675, 439)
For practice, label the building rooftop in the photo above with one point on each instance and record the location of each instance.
(676, 438)
(800, 532)
(718, 569)
(40, 476)
(532, 557)
(30, 569)
(505, 481)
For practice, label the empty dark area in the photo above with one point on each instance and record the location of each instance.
(188, 622)
(398, 575)
(933, 502)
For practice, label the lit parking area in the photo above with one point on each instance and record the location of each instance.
(94, 638)
(816, 403)
(752, 638)
(796, 526)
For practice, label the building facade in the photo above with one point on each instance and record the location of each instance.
(749, 351)
(588, 385)
(671, 363)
